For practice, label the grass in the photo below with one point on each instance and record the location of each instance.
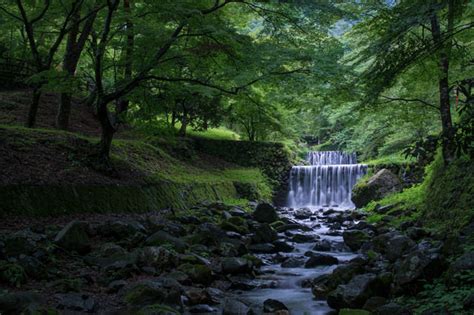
(220, 133)
(444, 200)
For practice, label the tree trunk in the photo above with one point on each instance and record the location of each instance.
(33, 109)
(122, 104)
(74, 47)
(447, 134)
(107, 135)
(184, 126)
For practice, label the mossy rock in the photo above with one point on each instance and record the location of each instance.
(198, 273)
(348, 311)
(158, 309)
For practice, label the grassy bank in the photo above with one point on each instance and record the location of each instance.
(49, 171)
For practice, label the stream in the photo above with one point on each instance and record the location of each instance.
(319, 194)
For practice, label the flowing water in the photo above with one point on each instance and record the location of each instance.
(325, 183)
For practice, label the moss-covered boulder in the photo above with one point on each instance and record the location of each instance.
(197, 273)
(384, 182)
(74, 236)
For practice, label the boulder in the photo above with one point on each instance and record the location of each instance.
(381, 184)
(265, 248)
(392, 309)
(157, 257)
(355, 293)
(303, 213)
(235, 265)
(420, 264)
(76, 302)
(321, 260)
(162, 237)
(235, 307)
(322, 246)
(120, 229)
(264, 233)
(293, 262)
(272, 306)
(21, 242)
(303, 238)
(374, 302)
(197, 273)
(265, 213)
(18, 302)
(393, 245)
(146, 292)
(197, 296)
(355, 238)
(282, 246)
(74, 236)
(463, 263)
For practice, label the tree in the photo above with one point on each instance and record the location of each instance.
(402, 43)
(44, 39)
(76, 41)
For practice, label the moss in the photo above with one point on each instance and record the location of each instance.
(157, 309)
(161, 180)
(443, 201)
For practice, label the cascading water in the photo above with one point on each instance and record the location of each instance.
(326, 182)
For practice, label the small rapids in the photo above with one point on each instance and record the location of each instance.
(321, 190)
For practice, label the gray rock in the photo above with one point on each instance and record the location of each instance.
(235, 307)
(465, 262)
(234, 265)
(265, 213)
(392, 309)
(293, 262)
(162, 237)
(74, 236)
(202, 309)
(303, 238)
(321, 260)
(264, 233)
(322, 246)
(116, 286)
(303, 213)
(282, 246)
(418, 265)
(21, 242)
(120, 229)
(157, 257)
(393, 245)
(17, 302)
(272, 306)
(146, 292)
(76, 302)
(374, 302)
(355, 238)
(378, 186)
(355, 293)
(266, 248)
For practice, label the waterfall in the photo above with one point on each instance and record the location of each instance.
(326, 182)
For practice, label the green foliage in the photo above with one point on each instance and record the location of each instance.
(439, 296)
(12, 273)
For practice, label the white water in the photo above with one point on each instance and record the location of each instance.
(326, 182)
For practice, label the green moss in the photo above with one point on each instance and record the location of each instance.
(169, 181)
(157, 309)
(443, 201)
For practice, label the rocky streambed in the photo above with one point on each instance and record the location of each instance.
(220, 259)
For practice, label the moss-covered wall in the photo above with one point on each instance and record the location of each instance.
(271, 157)
(55, 199)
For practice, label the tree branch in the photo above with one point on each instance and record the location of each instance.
(407, 100)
